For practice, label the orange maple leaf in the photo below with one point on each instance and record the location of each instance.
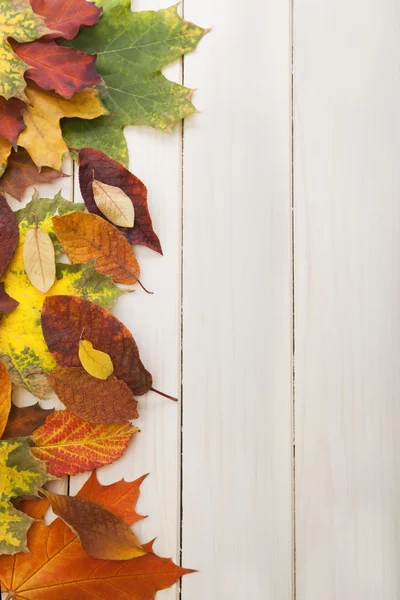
(59, 569)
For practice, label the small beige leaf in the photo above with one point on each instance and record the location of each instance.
(39, 259)
(95, 362)
(114, 204)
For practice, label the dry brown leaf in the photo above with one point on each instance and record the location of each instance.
(92, 399)
(103, 535)
(114, 204)
(39, 259)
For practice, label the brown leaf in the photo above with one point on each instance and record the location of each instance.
(86, 237)
(92, 399)
(9, 235)
(23, 421)
(103, 535)
(22, 172)
(94, 164)
(64, 318)
(7, 304)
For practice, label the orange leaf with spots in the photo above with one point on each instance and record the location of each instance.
(63, 320)
(94, 400)
(71, 445)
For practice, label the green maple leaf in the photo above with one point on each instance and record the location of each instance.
(21, 475)
(19, 22)
(132, 48)
(22, 345)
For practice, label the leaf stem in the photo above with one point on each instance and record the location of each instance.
(143, 288)
(164, 395)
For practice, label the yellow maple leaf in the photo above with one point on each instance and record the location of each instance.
(42, 137)
(5, 151)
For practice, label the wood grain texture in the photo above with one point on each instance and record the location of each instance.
(347, 190)
(237, 305)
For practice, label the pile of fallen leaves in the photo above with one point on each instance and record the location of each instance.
(63, 63)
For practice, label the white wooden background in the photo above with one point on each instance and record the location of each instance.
(276, 316)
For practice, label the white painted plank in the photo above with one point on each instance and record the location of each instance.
(237, 305)
(154, 320)
(347, 190)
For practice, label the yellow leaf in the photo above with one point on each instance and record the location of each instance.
(5, 151)
(96, 363)
(39, 259)
(5, 396)
(114, 204)
(43, 136)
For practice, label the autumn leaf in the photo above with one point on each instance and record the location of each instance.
(71, 571)
(120, 497)
(102, 534)
(18, 22)
(39, 259)
(5, 396)
(96, 165)
(21, 475)
(22, 346)
(66, 18)
(5, 151)
(7, 304)
(42, 136)
(132, 48)
(23, 421)
(9, 235)
(86, 237)
(21, 172)
(95, 362)
(53, 67)
(114, 204)
(11, 120)
(71, 445)
(92, 399)
(64, 318)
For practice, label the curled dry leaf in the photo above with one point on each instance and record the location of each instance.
(95, 165)
(23, 421)
(71, 445)
(5, 397)
(95, 362)
(21, 172)
(7, 304)
(57, 563)
(63, 320)
(9, 235)
(114, 204)
(92, 399)
(39, 259)
(86, 237)
(103, 535)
